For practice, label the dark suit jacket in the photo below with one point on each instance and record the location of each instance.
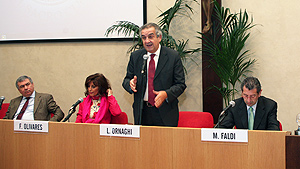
(169, 76)
(265, 115)
(44, 105)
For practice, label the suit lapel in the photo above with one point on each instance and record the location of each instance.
(163, 58)
(37, 101)
(243, 115)
(16, 105)
(259, 113)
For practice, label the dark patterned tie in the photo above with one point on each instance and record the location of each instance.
(151, 73)
(23, 109)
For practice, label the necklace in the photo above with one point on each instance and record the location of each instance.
(95, 107)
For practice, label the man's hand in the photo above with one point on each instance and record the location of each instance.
(160, 98)
(133, 84)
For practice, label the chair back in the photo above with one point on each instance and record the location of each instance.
(195, 119)
(280, 126)
(3, 110)
(120, 119)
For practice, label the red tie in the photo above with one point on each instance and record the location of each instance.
(151, 73)
(23, 109)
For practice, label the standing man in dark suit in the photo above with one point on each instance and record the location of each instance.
(252, 111)
(157, 87)
(32, 105)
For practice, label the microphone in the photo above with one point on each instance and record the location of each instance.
(221, 117)
(76, 104)
(231, 104)
(2, 98)
(73, 109)
(145, 57)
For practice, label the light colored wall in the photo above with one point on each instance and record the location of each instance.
(61, 68)
(275, 44)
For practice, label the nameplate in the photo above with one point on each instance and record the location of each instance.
(120, 130)
(31, 126)
(224, 135)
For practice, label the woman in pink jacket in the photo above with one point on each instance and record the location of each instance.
(99, 104)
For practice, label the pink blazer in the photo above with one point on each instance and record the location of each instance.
(108, 107)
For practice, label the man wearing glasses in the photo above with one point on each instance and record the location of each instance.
(252, 111)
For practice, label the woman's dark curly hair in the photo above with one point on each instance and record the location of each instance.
(98, 80)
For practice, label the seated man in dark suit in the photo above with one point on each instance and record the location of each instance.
(252, 111)
(32, 105)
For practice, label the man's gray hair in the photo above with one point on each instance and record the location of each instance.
(149, 25)
(21, 79)
(251, 83)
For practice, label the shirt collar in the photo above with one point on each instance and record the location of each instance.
(254, 106)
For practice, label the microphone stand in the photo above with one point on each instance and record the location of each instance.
(220, 119)
(70, 114)
(143, 72)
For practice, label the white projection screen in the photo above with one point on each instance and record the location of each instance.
(23, 20)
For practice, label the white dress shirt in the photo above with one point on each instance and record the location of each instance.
(28, 114)
(254, 109)
(156, 57)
